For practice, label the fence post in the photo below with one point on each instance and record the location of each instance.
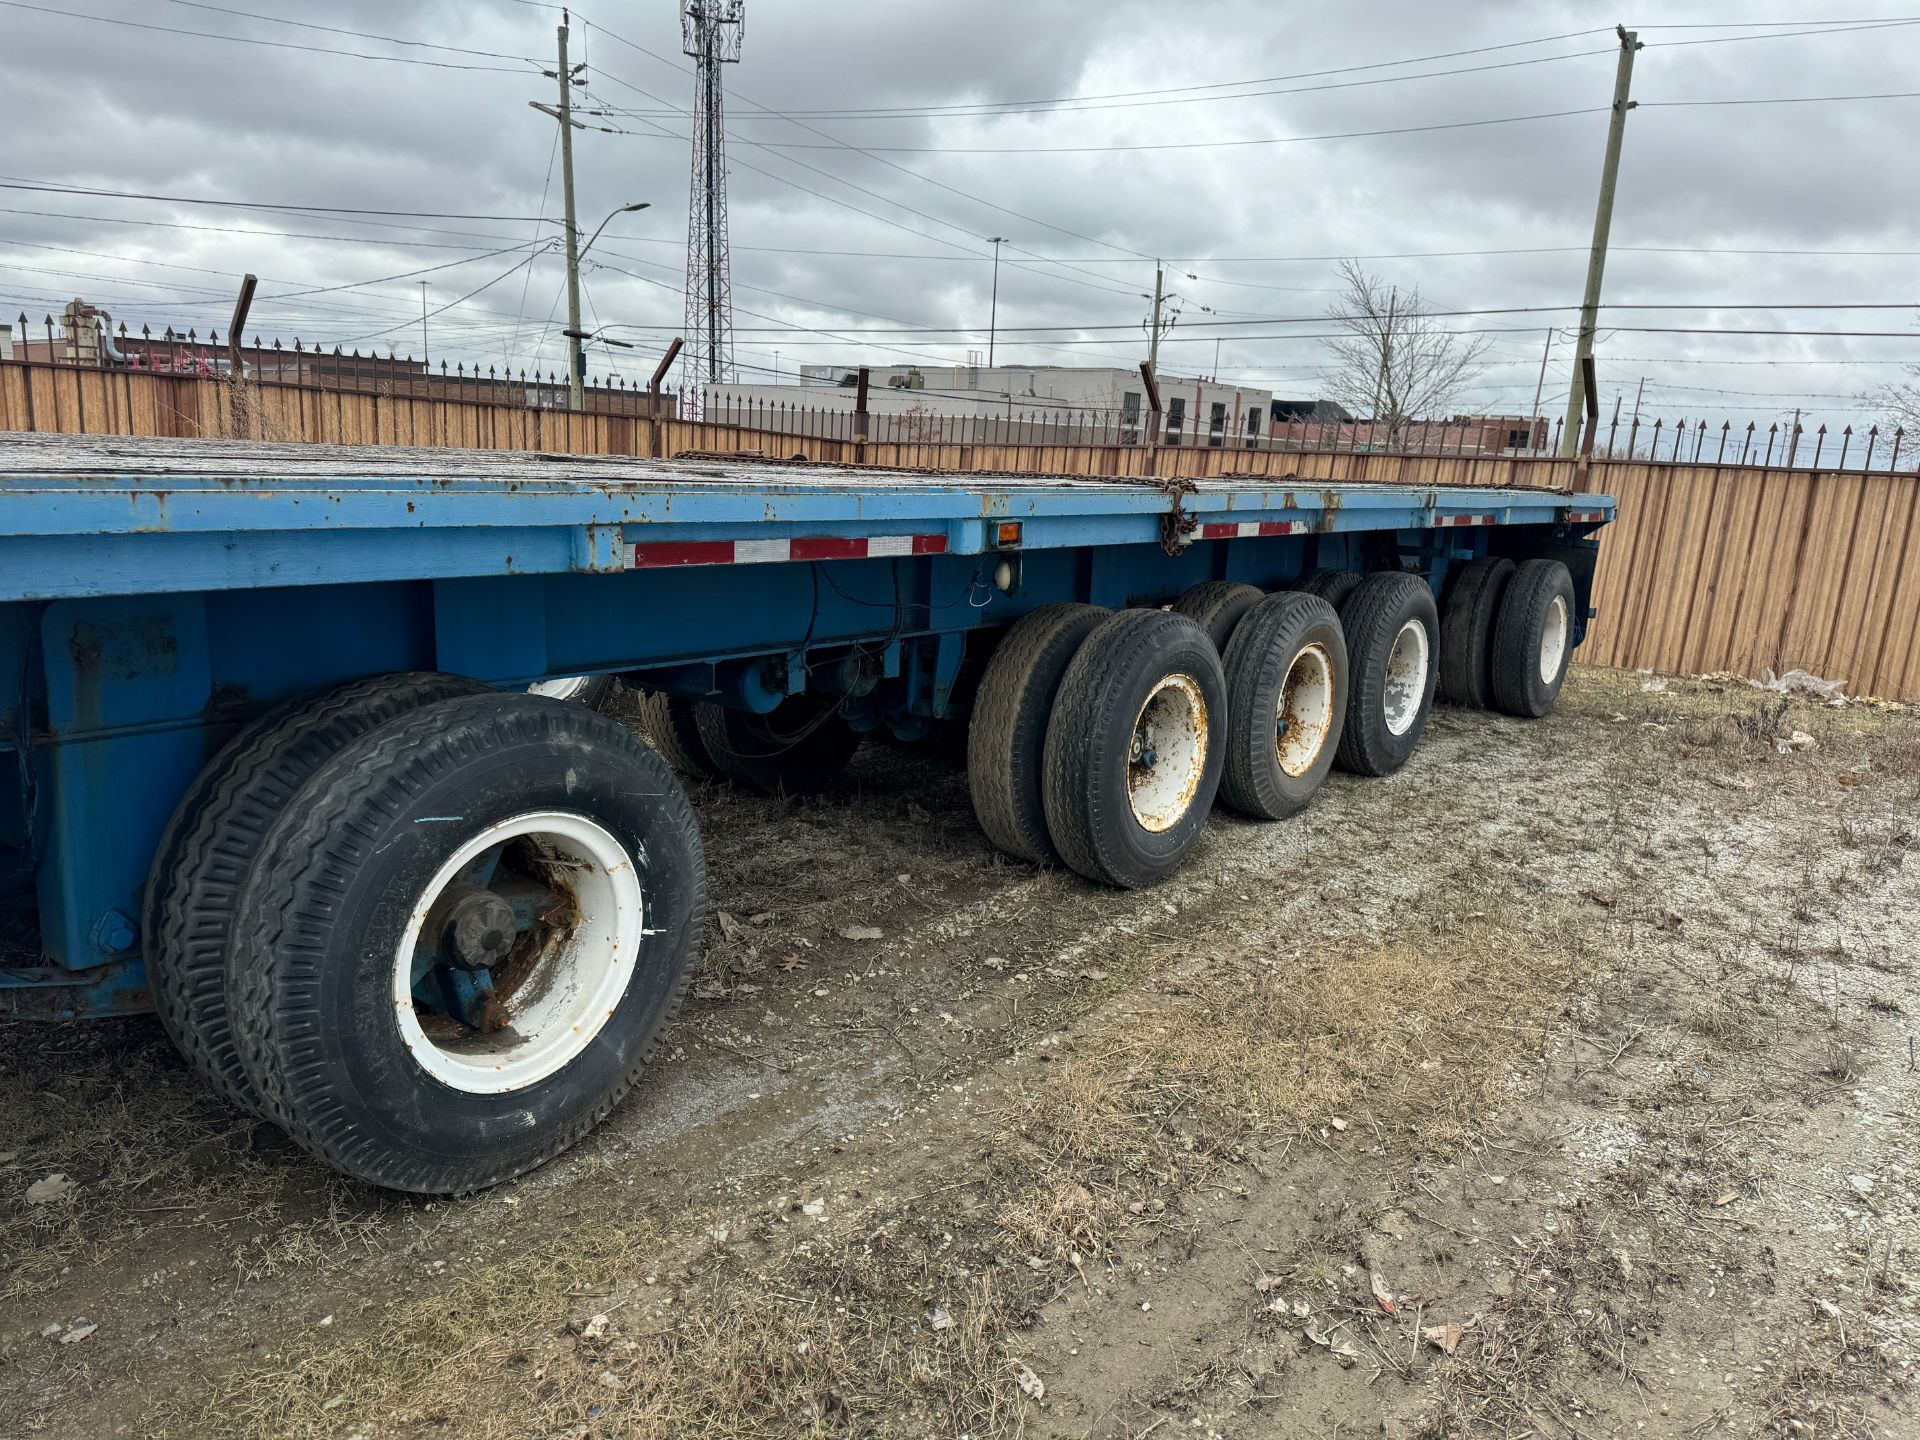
(860, 416)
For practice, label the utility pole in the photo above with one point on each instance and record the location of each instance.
(993, 316)
(576, 360)
(1153, 343)
(1793, 438)
(1541, 383)
(576, 352)
(424, 356)
(1602, 226)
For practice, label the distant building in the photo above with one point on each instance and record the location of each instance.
(1027, 404)
(1461, 434)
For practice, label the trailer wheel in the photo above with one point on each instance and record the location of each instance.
(1286, 704)
(1134, 747)
(1533, 639)
(464, 938)
(1332, 586)
(592, 691)
(1467, 615)
(1006, 739)
(1217, 606)
(802, 746)
(1391, 624)
(210, 846)
(671, 726)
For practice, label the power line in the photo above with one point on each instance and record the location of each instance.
(1189, 144)
(46, 187)
(1056, 108)
(356, 34)
(252, 40)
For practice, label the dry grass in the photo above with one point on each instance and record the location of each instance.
(1827, 1386)
(418, 1358)
(1419, 1035)
(148, 1148)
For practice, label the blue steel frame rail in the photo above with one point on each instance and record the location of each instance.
(153, 597)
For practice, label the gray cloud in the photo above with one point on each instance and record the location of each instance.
(115, 107)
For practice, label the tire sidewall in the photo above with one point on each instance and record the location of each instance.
(343, 944)
(1368, 743)
(1128, 851)
(1264, 648)
(1531, 595)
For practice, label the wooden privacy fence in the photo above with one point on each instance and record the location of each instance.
(1709, 567)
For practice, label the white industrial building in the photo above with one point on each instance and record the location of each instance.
(1046, 404)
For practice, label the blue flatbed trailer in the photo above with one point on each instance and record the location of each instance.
(159, 598)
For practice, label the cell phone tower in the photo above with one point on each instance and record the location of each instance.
(710, 31)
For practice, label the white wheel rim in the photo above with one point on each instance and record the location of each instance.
(1304, 712)
(577, 974)
(1553, 640)
(1168, 753)
(567, 687)
(1406, 686)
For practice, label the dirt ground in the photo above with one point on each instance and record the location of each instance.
(1562, 1085)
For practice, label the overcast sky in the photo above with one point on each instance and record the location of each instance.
(829, 242)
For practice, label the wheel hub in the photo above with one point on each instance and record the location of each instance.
(477, 931)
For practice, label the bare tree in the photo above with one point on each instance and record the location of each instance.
(1900, 400)
(1395, 360)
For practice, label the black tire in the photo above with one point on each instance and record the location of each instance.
(1538, 603)
(1332, 586)
(593, 691)
(801, 747)
(1381, 606)
(331, 901)
(1467, 614)
(213, 840)
(1090, 773)
(1006, 739)
(1286, 683)
(670, 725)
(1216, 606)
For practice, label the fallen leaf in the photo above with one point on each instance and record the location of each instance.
(1030, 1384)
(1337, 1122)
(730, 927)
(1726, 1199)
(1381, 1291)
(1095, 975)
(1343, 1349)
(1848, 777)
(943, 1319)
(1266, 1283)
(50, 1188)
(765, 917)
(1447, 1336)
(859, 932)
(77, 1334)
(995, 962)
(594, 1329)
(791, 962)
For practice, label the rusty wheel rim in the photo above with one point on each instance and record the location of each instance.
(1303, 714)
(1167, 755)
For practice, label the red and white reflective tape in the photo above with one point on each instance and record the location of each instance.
(1448, 521)
(1586, 517)
(1246, 529)
(653, 554)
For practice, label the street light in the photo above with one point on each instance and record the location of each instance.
(993, 319)
(623, 210)
(576, 356)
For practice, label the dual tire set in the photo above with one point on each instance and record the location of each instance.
(431, 930)
(1101, 739)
